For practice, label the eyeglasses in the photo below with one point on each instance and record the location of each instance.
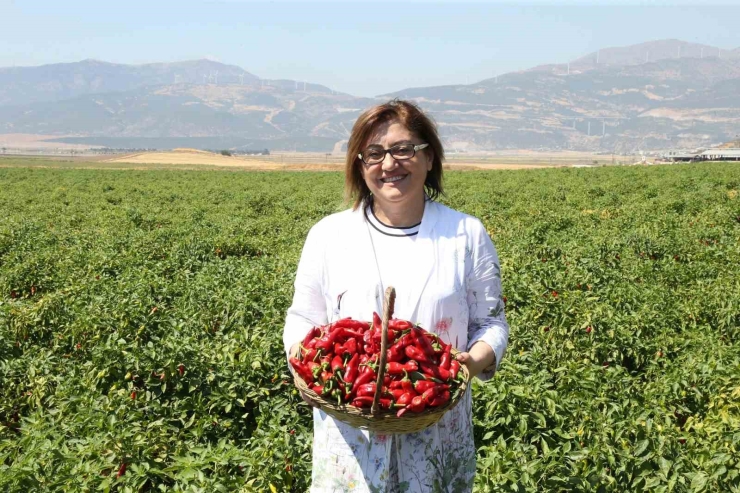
(376, 154)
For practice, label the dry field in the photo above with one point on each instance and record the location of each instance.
(25, 146)
(322, 161)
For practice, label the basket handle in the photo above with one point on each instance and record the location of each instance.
(388, 305)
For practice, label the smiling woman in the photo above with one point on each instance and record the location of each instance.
(447, 276)
(393, 155)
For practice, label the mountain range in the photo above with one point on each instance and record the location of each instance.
(656, 95)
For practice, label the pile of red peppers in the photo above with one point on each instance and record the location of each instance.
(339, 361)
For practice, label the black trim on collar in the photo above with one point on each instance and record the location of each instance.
(376, 228)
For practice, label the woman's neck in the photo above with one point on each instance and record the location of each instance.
(399, 214)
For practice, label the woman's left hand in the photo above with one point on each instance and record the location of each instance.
(479, 358)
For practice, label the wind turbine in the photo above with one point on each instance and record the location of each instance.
(241, 79)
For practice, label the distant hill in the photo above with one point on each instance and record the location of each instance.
(22, 85)
(735, 144)
(651, 96)
(618, 106)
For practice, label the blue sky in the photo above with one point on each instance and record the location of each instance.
(362, 48)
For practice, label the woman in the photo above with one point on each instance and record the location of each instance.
(447, 278)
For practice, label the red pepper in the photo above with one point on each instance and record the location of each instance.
(454, 368)
(367, 401)
(367, 375)
(310, 336)
(350, 347)
(408, 385)
(302, 370)
(441, 399)
(406, 398)
(352, 334)
(430, 394)
(435, 371)
(377, 323)
(326, 342)
(445, 359)
(314, 368)
(423, 343)
(396, 384)
(310, 355)
(396, 393)
(337, 365)
(422, 386)
(364, 358)
(416, 405)
(338, 324)
(392, 335)
(397, 324)
(326, 376)
(348, 323)
(394, 368)
(353, 369)
(415, 353)
(366, 389)
(319, 389)
(395, 354)
(396, 351)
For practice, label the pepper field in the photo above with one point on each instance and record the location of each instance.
(141, 314)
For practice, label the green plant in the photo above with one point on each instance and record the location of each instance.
(141, 316)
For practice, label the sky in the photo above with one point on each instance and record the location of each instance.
(361, 48)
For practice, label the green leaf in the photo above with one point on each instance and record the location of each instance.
(699, 481)
(641, 447)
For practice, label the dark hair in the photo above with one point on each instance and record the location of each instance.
(414, 119)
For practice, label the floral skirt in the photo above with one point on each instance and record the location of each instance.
(440, 458)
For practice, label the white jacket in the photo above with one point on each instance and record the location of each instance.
(459, 279)
(457, 294)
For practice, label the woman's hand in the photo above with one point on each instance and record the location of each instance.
(308, 400)
(479, 358)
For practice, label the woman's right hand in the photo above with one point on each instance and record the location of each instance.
(308, 400)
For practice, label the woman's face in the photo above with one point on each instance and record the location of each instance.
(393, 180)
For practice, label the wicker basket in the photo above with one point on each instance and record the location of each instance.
(375, 419)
